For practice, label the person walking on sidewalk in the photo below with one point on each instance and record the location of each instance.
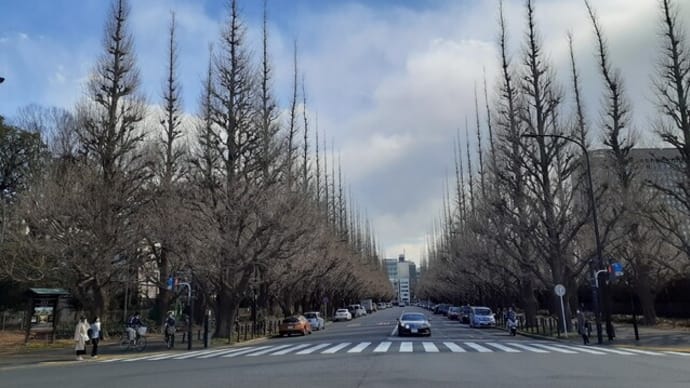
(80, 337)
(582, 327)
(95, 335)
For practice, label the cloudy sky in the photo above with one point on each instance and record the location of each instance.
(391, 81)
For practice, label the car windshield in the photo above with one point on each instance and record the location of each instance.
(291, 320)
(310, 315)
(482, 311)
(413, 317)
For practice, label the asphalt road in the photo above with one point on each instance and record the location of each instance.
(365, 353)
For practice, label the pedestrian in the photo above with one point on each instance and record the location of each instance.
(169, 329)
(95, 335)
(582, 327)
(81, 335)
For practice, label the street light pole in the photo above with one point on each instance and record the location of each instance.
(595, 272)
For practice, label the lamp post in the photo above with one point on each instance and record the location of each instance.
(590, 187)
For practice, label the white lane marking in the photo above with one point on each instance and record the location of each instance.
(554, 348)
(647, 352)
(313, 349)
(244, 351)
(288, 350)
(614, 351)
(478, 347)
(502, 347)
(405, 347)
(359, 348)
(335, 348)
(383, 347)
(590, 351)
(429, 347)
(113, 359)
(678, 353)
(454, 348)
(528, 348)
(265, 351)
(215, 353)
(395, 331)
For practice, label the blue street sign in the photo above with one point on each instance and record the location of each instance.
(170, 283)
(617, 269)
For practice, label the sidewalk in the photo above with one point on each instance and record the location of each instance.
(17, 357)
(651, 338)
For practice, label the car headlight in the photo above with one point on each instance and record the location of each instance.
(407, 326)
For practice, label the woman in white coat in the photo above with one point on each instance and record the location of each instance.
(81, 335)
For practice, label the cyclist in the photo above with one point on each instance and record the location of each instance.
(133, 324)
(170, 330)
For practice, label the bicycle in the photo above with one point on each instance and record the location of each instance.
(131, 339)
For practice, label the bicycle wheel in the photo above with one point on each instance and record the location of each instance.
(140, 344)
(124, 342)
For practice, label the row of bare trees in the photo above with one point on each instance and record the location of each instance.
(231, 199)
(526, 223)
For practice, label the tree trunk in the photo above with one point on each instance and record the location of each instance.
(646, 296)
(529, 301)
(225, 313)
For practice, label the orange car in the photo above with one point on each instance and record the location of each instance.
(297, 324)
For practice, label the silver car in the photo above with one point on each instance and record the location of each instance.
(315, 320)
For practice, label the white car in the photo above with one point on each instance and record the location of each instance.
(315, 320)
(342, 315)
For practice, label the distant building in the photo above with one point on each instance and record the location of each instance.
(403, 277)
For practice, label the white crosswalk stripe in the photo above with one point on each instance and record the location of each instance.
(383, 347)
(555, 349)
(502, 347)
(478, 347)
(288, 350)
(647, 352)
(335, 348)
(429, 347)
(244, 351)
(213, 354)
(266, 351)
(678, 353)
(528, 348)
(406, 347)
(359, 348)
(401, 347)
(313, 349)
(590, 351)
(615, 351)
(454, 347)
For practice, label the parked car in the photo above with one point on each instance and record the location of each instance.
(454, 313)
(413, 324)
(381, 306)
(482, 317)
(296, 324)
(342, 315)
(315, 320)
(357, 310)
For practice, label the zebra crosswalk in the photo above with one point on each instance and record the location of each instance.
(399, 347)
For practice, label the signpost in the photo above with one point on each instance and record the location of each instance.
(559, 289)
